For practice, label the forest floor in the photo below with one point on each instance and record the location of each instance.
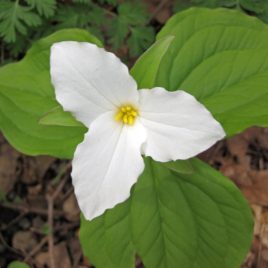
(38, 197)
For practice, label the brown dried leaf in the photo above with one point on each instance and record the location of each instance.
(71, 209)
(8, 163)
(24, 241)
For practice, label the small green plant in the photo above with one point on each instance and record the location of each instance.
(17, 264)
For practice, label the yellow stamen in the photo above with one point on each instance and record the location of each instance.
(125, 118)
(126, 114)
(118, 116)
(130, 120)
(134, 113)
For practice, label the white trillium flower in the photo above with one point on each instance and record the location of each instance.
(124, 123)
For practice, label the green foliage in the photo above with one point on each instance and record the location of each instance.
(180, 166)
(122, 24)
(253, 6)
(119, 24)
(257, 7)
(81, 1)
(141, 38)
(179, 214)
(173, 220)
(109, 2)
(18, 264)
(86, 16)
(2, 196)
(219, 57)
(72, 16)
(153, 57)
(16, 18)
(180, 5)
(44, 7)
(57, 117)
(130, 26)
(27, 96)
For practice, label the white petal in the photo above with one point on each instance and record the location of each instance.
(106, 164)
(178, 126)
(89, 80)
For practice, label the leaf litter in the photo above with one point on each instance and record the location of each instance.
(27, 182)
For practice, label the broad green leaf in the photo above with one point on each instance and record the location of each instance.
(18, 264)
(196, 220)
(219, 56)
(180, 166)
(26, 95)
(107, 241)
(58, 117)
(152, 57)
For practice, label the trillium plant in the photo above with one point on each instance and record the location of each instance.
(124, 123)
(133, 136)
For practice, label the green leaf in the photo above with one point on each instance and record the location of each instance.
(97, 16)
(219, 56)
(109, 2)
(26, 95)
(2, 195)
(264, 15)
(131, 17)
(15, 18)
(58, 117)
(106, 241)
(18, 264)
(70, 16)
(44, 7)
(180, 5)
(118, 30)
(140, 39)
(205, 3)
(82, 1)
(256, 6)
(229, 3)
(173, 220)
(152, 57)
(180, 166)
(133, 13)
(18, 47)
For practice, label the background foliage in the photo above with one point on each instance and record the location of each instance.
(22, 22)
(124, 25)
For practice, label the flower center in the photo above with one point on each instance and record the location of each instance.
(127, 114)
